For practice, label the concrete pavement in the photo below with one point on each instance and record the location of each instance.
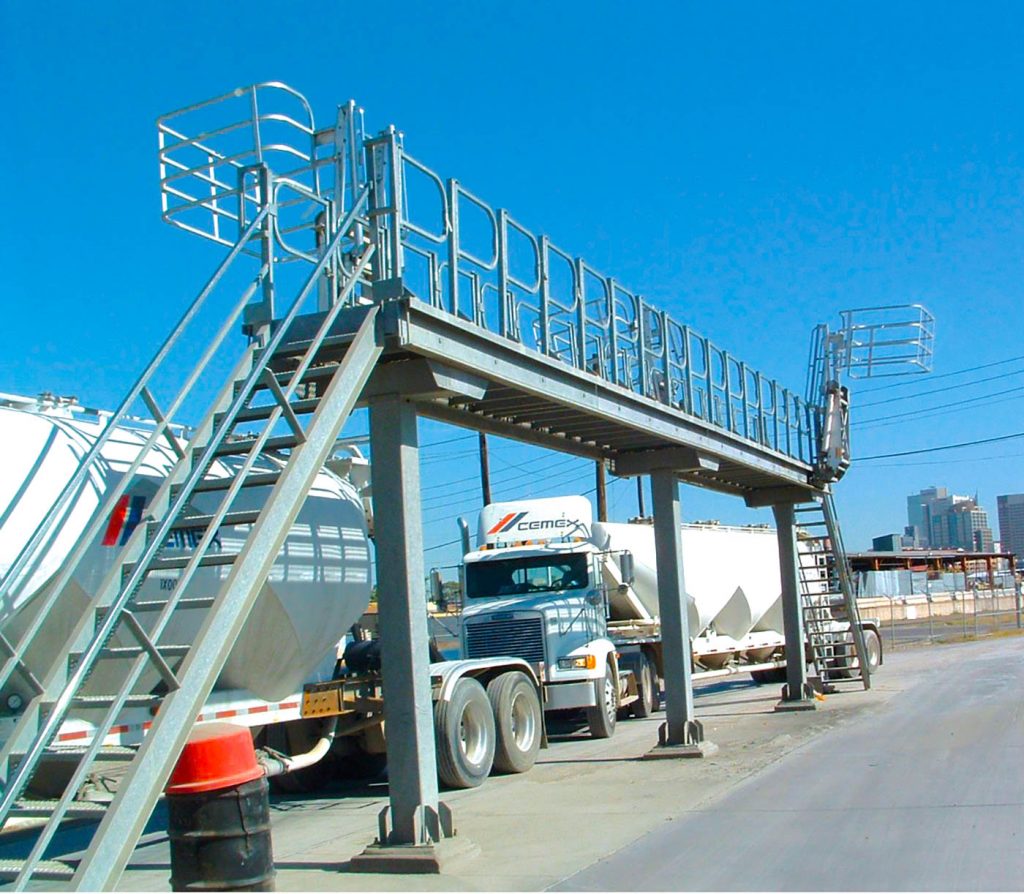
(587, 799)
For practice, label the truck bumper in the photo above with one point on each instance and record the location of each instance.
(560, 696)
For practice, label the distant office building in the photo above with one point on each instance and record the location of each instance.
(919, 514)
(887, 543)
(941, 520)
(1011, 524)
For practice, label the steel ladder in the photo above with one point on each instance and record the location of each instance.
(831, 621)
(298, 400)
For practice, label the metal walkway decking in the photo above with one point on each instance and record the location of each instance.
(460, 373)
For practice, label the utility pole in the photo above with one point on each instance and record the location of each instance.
(602, 492)
(485, 470)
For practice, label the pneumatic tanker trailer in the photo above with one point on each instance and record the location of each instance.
(294, 675)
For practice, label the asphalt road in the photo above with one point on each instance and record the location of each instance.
(926, 793)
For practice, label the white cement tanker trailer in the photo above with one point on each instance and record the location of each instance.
(580, 599)
(286, 676)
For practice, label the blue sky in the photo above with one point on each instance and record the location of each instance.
(753, 168)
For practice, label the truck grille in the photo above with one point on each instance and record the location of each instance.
(518, 637)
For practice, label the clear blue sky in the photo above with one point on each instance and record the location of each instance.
(753, 167)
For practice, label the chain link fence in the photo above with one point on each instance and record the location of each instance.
(966, 614)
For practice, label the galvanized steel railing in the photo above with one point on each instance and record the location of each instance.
(446, 246)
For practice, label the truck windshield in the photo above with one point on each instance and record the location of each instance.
(537, 574)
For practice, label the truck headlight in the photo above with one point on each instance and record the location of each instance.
(580, 662)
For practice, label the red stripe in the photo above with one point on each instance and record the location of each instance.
(221, 714)
(117, 730)
(67, 737)
(259, 709)
(498, 526)
(116, 522)
(285, 705)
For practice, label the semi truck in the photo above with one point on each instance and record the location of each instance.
(578, 599)
(299, 674)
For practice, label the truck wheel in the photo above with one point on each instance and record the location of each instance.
(873, 647)
(644, 705)
(517, 719)
(601, 717)
(464, 733)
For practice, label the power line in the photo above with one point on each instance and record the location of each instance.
(557, 464)
(956, 372)
(979, 401)
(945, 462)
(1019, 434)
(892, 400)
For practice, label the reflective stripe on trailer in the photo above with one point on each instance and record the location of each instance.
(132, 733)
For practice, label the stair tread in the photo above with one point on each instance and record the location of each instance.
(152, 605)
(177, 562)
(230, 519)
(255, 479)
(44, 808)
(44, 870)
(104, 701)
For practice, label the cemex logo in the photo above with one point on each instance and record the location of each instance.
(514, 521)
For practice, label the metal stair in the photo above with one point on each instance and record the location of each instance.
(290, 430)
(831, 621)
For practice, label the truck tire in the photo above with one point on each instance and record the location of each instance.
(601, 718)
(518, 720)
(873, 647)
(645, 686)
(771, 675)
(464, 734)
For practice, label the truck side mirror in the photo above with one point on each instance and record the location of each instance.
(626, 567)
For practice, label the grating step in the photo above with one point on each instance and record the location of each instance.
(247, 517)
(75, 810)
(155, 605)
(261, 414)
(212, 485)
(178, 562)
(73, 754)
(242, 446)
(88, 702)
(43, 871)
(134, 652)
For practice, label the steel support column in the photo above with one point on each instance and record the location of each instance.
(402, 622)
(796, 689)
(681, 729)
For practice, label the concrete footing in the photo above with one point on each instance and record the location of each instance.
(804, 702)
(672, 752)
(693, 745)
(413, 859)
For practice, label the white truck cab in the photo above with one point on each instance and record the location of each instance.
(534, 588)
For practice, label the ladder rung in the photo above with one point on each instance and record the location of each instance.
(245, 517)
(75, 810)
(155, 605)
(74, 754)
(177, 562)
(258, 414)
(105, 701)
(44, 870)
(257, 479)
(241, 446)
(136, 651)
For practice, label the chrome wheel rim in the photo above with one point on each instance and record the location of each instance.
(472, 735)
(524, 722)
